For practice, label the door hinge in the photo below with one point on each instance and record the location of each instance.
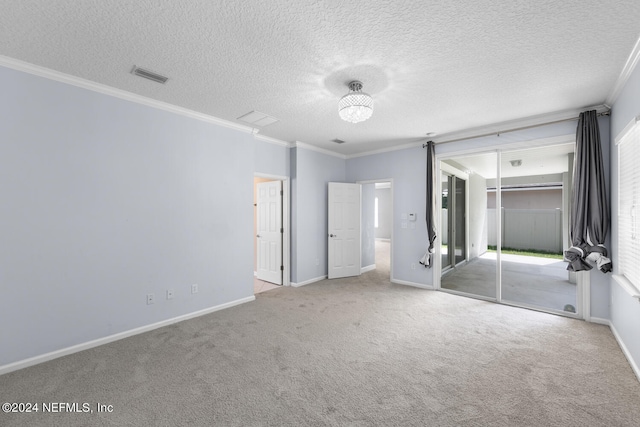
(282, 230)
(282, 268)
(281, 193)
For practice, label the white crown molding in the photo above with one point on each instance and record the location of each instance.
(519, 124)
(502, 127)
(299, 144)
(386, 150)
(47, 73)
(626, 72)
(273, 140)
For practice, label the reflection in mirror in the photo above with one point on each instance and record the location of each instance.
(470, 225)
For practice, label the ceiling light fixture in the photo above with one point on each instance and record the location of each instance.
(356, 106)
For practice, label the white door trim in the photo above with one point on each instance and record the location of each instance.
(286, 215)
(270, 231)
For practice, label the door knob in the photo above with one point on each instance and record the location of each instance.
(257, 235)
(333, 235)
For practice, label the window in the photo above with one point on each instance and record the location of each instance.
(628, 143)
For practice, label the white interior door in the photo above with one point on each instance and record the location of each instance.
(269, 219)
(344, 230)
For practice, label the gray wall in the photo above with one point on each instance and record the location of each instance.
(105, 201)
(271, 159)
(311, 171)
(407, 169)
(384, 213)
(625, 310)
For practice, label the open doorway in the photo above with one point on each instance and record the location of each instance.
(377, 227)
(271, 233)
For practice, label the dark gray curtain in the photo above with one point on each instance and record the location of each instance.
(427, 259)
(589, 204)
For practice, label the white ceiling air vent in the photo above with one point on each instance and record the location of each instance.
(149, 75)
(337, 141)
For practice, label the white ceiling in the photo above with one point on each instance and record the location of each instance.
(430, 66)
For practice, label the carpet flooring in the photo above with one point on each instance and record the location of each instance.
(348, 352)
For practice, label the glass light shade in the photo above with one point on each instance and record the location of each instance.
(356, 106)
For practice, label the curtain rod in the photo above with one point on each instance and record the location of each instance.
(604, 113)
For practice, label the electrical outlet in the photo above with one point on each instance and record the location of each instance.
(150, 299)
(169, 293)
(194, 288)
(413, 265)
(317, 261)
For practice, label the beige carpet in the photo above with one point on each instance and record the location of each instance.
(355, 352)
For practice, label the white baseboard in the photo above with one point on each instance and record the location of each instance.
(367, 268)
(413, 284)
(625, 351)
(115, 337)
(600, 321)
(308, 282)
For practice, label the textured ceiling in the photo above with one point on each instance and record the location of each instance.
(430, 66)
